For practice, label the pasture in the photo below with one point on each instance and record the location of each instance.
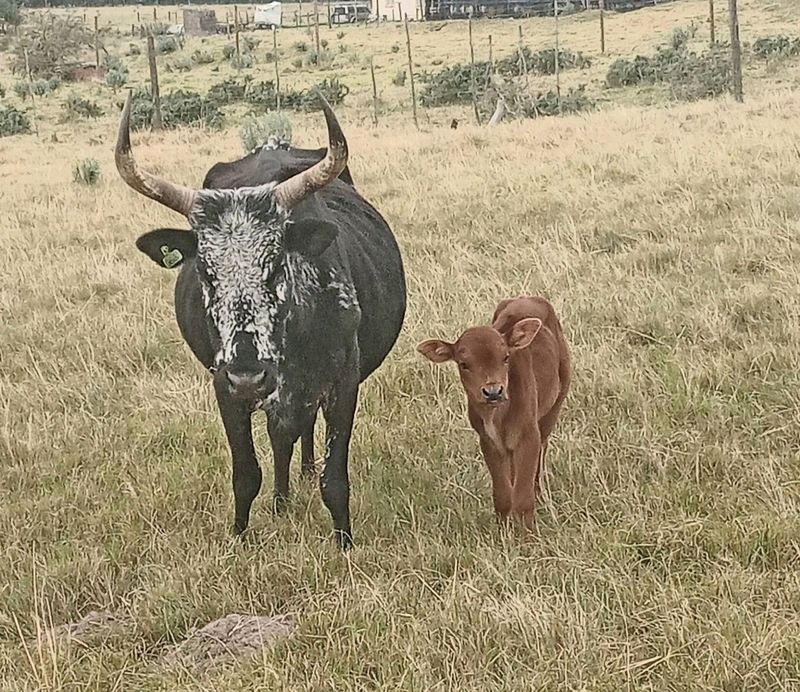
(666, 554)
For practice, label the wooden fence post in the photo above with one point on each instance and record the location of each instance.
(329, 14)
(155, 14)
(603, 26)
(157, 122)
(316, 28)
(557, 56)
(236, 31)
(472, 86)
(277, 68)
(522, 62)
(711, 22)
(96, 44)
(411, 72)
(30, 91)
(736, 51)
(374, 93)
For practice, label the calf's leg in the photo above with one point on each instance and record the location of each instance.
(526, 459)
(246, 472)
(500, 472)
(307, 450)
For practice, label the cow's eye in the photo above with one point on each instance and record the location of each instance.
(463, 365)
(506, 357)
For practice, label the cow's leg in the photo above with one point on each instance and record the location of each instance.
(246, 472)
(307, 468)
(282, 443)
(339, 411)
(500, 472)
(526, 459)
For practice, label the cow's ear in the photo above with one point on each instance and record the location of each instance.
(523, 333)
(168, 247)
(310, 237)
(436, 350)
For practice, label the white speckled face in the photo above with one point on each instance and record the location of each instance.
(245, 274)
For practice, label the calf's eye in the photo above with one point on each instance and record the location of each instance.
(463, 366)
(506, 357)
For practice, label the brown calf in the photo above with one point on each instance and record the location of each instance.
(516, 374)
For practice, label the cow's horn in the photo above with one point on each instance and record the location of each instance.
(176, 197)
(291, 192)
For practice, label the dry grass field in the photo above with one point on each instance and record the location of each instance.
(667, 549)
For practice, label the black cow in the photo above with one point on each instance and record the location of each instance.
(291, 292)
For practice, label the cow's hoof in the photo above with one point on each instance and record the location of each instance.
(344, 540)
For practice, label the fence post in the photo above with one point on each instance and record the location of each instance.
(157, 122)
(30, 91)
(236, 32)
(491, 59)
(557, 56)
(522, 62)
(96, 44)
(473, 89)
(736, 51)
(374, 93)
(316, 29)
(711, 22)
(277, 68)
(155, 14)
(300, 13)
(603, 26)
(411, 72)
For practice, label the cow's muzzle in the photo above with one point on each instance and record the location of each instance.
(250, 384)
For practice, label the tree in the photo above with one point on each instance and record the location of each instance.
(54, 44)
(10, 13)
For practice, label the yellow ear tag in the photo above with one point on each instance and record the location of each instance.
(170, 258)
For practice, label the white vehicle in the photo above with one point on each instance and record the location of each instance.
(267, 16)
(350, 12)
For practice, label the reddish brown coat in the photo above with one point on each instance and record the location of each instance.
(516, 374)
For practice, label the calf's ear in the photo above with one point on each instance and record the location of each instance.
(436, 351)
(168, 247)
(310, 237)
(523, 332)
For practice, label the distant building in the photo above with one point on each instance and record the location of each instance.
(199, 22)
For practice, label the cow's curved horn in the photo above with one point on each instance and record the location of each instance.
(176, 197)
(291, 192)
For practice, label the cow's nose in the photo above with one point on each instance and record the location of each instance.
(247, 384)
(492, 392)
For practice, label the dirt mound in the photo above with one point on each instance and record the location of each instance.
(232, 635)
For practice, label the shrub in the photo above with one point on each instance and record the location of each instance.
(77, 108)
(202, 57)
(42, 87)
(322, 59)
(399, 78)
(776, 47)
(262, 94)
(183, 64)
(228, 51)
(13, 122)
(22, 90)
(54, 42)
(340, 35)
(165, 44)
(86, 172)
(324, 43)
(689, 76)
(177, 108)
(117, 74)
(297, 63)
(395, 48)
(300, 46)
(255, 131)
(10, 12)
(244, 62)
(453, 84)
(249, 43)
(227, 91)
(2, 92)
(133, 49)
(542, 62)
